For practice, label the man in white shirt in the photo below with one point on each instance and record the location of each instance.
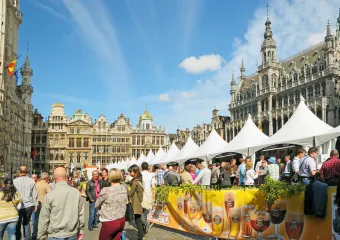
(149, 183)
(204, 177)
(259, 163)
(300, 154)
(307, 167)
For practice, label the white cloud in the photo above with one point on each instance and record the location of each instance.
(295, 24)
(188, 94)
(52, 11)
(164, 97)
(201, 64)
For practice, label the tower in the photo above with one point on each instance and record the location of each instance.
(26, 88)
(330, 46)
(242, 70)
(233, 88)
(338, 27)
(268, 47)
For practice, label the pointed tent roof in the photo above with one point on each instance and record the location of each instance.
(173, 151)
(160, 153)
(249, 136)
(329, 135)
(213, 143)
(132, 161)
(149, 157)
(189, 148)
(141, 158)
(301, 129)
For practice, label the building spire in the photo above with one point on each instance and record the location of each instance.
(268, 33)
(242, 69)
(329, 31)
(233, 79)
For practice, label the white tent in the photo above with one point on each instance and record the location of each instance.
(132, 161)
(141, 159)
(213, 143)
(301, 129)
(173, 151)
(327, 136)
(149, 157)
(249, 136)
(160, 153)
(189, 148)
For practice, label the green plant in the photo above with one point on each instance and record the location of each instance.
(162, 192)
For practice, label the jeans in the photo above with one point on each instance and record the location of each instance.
(93, 215)
(145, 222)
(138, 220)
(66, 238)
(305, 181)
(24, 219)
(11, 228)
(123, 236)
(35, 222)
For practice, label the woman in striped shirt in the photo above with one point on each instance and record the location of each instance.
(9, 199)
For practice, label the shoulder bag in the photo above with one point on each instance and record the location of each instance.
(296, 177)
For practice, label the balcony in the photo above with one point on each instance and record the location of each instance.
(18, 16)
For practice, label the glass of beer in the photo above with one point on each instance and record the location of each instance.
(180, 208)
(294, 225)
(187, 199)
(234, 222)
(207, 217)
(217, 221)
(259, 221)
(192, 210)
(245, 219)
(229, 201)
(277, 214)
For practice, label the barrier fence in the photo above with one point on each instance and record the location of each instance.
(241, 214)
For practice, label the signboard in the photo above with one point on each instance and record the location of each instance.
(236, 214)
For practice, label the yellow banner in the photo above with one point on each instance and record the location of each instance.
(236, 214)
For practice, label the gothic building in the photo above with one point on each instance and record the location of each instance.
(273, 92)
(15, 100)
(39, 143)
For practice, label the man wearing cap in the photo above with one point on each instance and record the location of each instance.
(186, 176)
(205, 173)
(273, 169)
(171, 177)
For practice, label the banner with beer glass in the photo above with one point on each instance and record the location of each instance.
(237, 214)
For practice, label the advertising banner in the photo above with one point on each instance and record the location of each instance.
(240, 214)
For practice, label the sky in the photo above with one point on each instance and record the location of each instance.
(175, 57)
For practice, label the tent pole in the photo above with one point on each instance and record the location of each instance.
(314, 141)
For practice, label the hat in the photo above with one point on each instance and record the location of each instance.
(189, 162)
(199, 161)
(272, 160)
(172, 164)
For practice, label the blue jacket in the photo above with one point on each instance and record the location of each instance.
(320, 197)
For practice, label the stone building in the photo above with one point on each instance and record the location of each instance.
(182, 137)
(121, 138)
(273, 92)
(15, 100)
(57, 137)
(79, 137)
(39, 143)
(146, 136)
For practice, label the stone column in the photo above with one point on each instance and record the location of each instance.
(277, 124)
(270, 115)
(282, 121)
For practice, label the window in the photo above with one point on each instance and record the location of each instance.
(43, 139)
(51, 141)
(86, 142)
(285, 100)
(162, 143)
(72, 130)
(295, 77)
(317, 90)
(138, 140)
(147, 126)
(310, 92)
(314, 69)
(134, 140)
(303, 93)
(78, 130)
(78, 142)
(78, 157)
(264, 81)
(62, 141)
(143, 140)
(307, 71)
(71, 142)
(297, 96)
(85, 156)
(291, 99)
(153, 140)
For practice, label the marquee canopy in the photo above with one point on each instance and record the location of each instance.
(213, 143)
(160, 154)
(325, 137)
(172, 152)
(132, 161)
(301, 129)
(249, 136)
(149, 157)
(189, 148)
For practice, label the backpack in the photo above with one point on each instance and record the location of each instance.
(147, 198)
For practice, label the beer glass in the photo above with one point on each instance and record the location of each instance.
(294, 225)
(259, 221)
(192, 210)
(217, 221)
(207, 216)
(277, 215)
(234, 222)
(187, 198)
(245, 219)
(229, 201)
(180, 208)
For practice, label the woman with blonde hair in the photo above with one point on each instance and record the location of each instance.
(111, 204)
(250, 173)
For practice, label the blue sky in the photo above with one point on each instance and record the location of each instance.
(175, 56)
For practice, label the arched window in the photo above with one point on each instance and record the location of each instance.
(291, 99)
(307, 70)
(310, 92)
(279, 102)
(314, 69)
(274, 80)
(264, 81)
(297, 96)
(323, 89)
(295, 76)
(285, 100)
(317, 89)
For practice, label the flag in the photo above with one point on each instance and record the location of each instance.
(11, 67)
(34, 153)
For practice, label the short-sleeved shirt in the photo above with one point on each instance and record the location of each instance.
(274, 171)
(331, 169)
(307, 165)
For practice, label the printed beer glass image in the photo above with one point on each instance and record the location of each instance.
(277, 214)
(259, 221)
(235, 222)
(229, 201)
(192, 210)
(180, 208)
(246, 226)
(207, 217)
(217, 221)
(294, 225)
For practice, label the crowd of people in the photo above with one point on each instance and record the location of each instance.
(111, 192)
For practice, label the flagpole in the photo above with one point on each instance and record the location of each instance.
(12, 61)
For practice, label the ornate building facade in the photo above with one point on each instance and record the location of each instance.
(39, 143)
(15, 100)
(273, 92)
(121, 140)
(146, 136)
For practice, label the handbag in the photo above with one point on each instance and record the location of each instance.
(296, 177)
(129, 213)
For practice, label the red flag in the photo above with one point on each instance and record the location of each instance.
(11, 67)
(34, 153)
